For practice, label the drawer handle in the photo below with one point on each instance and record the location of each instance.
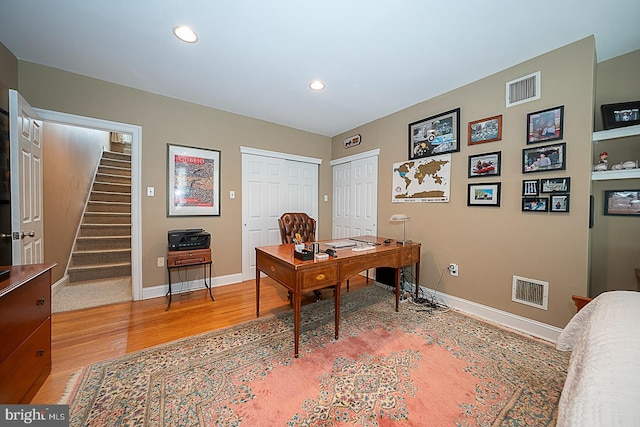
(41, 352)
(272, 268)
(320, 276)
(40, 301)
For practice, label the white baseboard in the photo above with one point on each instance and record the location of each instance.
(59, 285)
(192, 285)
(502, 318)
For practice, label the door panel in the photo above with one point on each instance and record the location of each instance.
(25, 135)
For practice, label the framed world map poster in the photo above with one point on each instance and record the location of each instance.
(422, 180)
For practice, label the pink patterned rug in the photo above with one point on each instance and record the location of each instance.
(410, 368)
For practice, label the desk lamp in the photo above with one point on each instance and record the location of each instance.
(401, 218)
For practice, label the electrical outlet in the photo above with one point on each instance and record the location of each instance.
(453, 269)
(161, 262)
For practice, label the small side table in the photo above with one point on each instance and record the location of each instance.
(190, 258)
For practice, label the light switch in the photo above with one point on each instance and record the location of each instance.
(232, 194)
(326, 198)
(151, 191)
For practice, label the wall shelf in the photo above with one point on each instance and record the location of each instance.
(615, 174)
(605, 135)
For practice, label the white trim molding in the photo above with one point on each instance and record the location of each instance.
(278, 155)
(353, 157)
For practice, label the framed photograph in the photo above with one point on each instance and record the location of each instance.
(530, 187)
(620, 115)
(555, 185)
(485, 194)
(560, 203)
(546, 158)
(545, 125)
(5, 158)
(537, 204)
(435, 135)
(485, 130)
(622, 202)
(193, 186)
(487, 164)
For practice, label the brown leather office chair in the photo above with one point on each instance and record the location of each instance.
(297, 222)
(292, 223)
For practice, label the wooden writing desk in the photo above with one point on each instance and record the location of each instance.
(299, 276)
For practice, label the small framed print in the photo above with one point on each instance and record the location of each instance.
(555, 185)
(537, 204)
(485, 194)
(546, 125)
(622, 202)
(530, 187)
(545, 158)
(485, 130)
(435, 135)
(559, 203)
(487, 164)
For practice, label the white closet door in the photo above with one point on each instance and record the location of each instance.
(342, 200)
(302, 188)
(263, 198)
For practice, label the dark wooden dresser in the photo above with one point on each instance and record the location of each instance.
(25, 331)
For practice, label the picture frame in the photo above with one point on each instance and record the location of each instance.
(545, 158)
(546, 125)
(530, 187)
(535, 204)
(484, 194)
(559, 203)
(435, 135)
(485, 164)
(5, 158)
(622, 202)
(193, 175)
(555, 185)
(485, 130)
(620, 115)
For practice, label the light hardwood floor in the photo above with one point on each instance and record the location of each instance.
(83, 337)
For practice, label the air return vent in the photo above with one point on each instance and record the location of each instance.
(523, 90)
(530, 292)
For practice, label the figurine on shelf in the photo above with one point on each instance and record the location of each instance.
(603, 165)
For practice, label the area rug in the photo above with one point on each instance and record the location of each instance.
(416, 367)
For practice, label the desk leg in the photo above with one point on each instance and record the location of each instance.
(169, 305)
(257, 293)
(297, 296)
(336, 297)
(418, 279)
(205, 279)
(398, 288)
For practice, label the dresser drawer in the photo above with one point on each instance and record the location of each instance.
(22, 310)
(317, 278)
(196, 256)
(23, 371)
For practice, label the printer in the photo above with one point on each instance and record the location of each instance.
(184, 240)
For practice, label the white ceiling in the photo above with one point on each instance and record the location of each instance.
(257, 57)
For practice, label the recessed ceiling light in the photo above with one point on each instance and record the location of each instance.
(185, 34)
(316, 85)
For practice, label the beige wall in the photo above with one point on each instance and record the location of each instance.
(165, 120)
(70, 157)
(615, 240)
(8, 75)
(490, 245)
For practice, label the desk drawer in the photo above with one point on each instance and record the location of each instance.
(316, 278)
(178, 258)
(409, 256)
(24, 371)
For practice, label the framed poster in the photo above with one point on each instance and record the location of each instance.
(435, 135)
(546, 158)
(622, 202)
(486, 164)
(193, 181)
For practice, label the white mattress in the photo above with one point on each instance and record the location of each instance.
(603, 382)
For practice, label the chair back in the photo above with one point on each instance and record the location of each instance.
(297, 222)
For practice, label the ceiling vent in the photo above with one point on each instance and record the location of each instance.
(530, 292)
(523, 89)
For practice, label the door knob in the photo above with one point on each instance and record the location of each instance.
(5, 236)
(30, 234)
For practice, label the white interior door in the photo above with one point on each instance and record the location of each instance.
(25, 135)
(355, 196)
(272, 184)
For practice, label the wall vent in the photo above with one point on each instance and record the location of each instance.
(530, 292)
(523, 89)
